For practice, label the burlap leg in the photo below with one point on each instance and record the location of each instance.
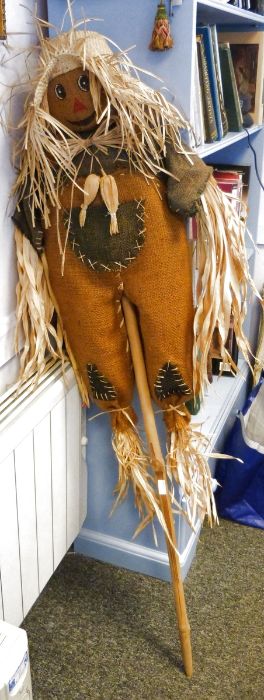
(90, 308)
(159, 282)
(161, 289)
(160, 285)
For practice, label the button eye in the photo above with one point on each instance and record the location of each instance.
(83, 82)
(60, 91)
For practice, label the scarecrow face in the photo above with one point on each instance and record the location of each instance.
(70, 100)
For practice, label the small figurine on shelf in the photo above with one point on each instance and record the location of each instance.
(161, 35)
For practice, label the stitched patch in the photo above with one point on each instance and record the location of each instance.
(101, 388)
(169, 382)
(93, 243)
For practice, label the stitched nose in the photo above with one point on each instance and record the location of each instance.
(78, 106)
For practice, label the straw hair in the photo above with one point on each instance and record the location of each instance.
(135, 117)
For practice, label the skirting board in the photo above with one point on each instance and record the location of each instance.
(130, 555)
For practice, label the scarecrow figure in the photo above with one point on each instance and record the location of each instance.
(104, 187)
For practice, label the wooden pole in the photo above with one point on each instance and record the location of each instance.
(160, 471)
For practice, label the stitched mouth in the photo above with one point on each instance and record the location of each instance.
(83, 122)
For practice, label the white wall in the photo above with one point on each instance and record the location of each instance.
(20, 34)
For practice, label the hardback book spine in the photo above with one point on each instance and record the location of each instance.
(205, 32)
(208, 110)
(219, 78)
(231, 182)
(197, 110)
(231, 97)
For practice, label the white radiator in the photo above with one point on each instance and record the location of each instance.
(42, 486)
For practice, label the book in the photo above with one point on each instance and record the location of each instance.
(197, 110)
(208, 110)
(247, 51)
(205, 32)
(235, 182)
(214, 36)
(257, 6)
(231, 182)
(230, 91)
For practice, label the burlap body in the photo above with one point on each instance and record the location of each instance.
(158, 281)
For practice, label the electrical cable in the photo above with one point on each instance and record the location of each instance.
(255, 158)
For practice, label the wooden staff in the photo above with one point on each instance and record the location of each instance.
(161, 476)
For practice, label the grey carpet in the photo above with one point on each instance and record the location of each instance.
(102, 633)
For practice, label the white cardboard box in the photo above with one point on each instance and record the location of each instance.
(15, 678)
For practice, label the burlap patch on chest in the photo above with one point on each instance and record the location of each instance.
(94, 245)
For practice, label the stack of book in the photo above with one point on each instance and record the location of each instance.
(229, 72)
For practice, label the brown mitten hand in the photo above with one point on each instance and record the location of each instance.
(192, 175)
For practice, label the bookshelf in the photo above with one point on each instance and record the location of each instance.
(230, 139)
(226, 394)
(231, 149)
(234, 148)
(214, 12)
(109, 539)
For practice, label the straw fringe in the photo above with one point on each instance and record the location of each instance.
(223, 279)
(34, 312)
(43, 333)
(187, 464)
(136, 118)
(133, 469)
(109, 193)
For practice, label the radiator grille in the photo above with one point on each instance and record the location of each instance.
(42, 485)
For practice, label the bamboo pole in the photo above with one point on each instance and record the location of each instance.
(161, 476)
